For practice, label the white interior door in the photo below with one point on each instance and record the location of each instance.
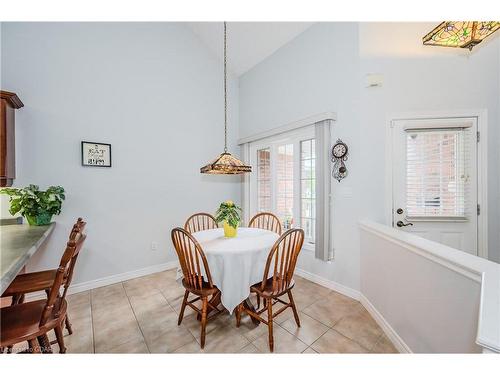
(435, 180)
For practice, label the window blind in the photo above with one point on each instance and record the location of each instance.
(437, 165)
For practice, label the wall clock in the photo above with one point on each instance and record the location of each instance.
(339, 156)
(96, 154)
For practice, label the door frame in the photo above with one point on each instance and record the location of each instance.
(481, 116)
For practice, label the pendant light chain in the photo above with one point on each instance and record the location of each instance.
(225, 162)
(225, 88)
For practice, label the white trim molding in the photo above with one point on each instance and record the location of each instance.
(342, 289)
(109, 280)
(391, 334)
(290, 126)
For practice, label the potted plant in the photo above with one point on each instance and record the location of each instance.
(35, 205)
(229, 213)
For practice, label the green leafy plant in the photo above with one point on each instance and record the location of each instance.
(228, 212)
(35, 205)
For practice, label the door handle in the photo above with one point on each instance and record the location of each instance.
(401, 224)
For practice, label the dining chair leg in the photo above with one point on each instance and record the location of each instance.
(60, 338)
(258, 302)
(34, 347)
(203, 320)
(270, 323)
(238, 314)
(294, 308)
(68, 326)
(44, 342)
(183, 307)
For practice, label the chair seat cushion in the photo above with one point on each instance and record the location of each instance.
(269, 291)
(20, 323)
(31, 282)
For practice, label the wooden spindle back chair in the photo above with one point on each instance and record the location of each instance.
(266, 220)
(200, 221)
(277, 280)
(41, 316)
(196, 278)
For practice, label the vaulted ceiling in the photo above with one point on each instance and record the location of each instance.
(248, 42)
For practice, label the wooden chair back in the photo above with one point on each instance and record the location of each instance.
(266, 220)
(200, 221)
(192, 259)
(78, 227)
(282, 260)
(63, 278)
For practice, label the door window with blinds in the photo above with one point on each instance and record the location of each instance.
(286, 182)
(437, 173)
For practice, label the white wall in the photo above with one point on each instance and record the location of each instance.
(153, 92)
(323, 69)
(316, 72)
(430, 302)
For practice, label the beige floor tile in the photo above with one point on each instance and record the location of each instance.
(224, 339)
(360, 327)
(330, 309)
(143, 305)
(157, 322)
(106, 292)
(248, 329)
(191, 322)
(131, 347)
(81, 341)
(384, 345)
(249, 349)
(104, 317)
(115, 332)
(78, 298)
(309, 351)
(193, 347)
(142, 286)
(308, 332)
(172, 290)
(334, 342)
(108, 298)
(284, 342)
(171, 340)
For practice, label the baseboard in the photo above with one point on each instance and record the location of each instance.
(104, 281)
(342, 289)
(396, 340)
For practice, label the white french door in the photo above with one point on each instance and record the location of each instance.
(284, 179)
(435, 181)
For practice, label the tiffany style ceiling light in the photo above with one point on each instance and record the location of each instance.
(460, 34)
(225, 163)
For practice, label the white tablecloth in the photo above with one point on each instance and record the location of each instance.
(236, 263)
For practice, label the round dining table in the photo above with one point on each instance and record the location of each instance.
(236, 263)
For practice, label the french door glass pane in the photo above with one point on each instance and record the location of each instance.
(284, 184)
(308, 186)
(264, 179)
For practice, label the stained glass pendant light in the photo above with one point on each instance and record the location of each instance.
(460, 34)
(225, 163)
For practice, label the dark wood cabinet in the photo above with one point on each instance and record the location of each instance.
(9, 103)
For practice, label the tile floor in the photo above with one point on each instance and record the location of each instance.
(140, 316)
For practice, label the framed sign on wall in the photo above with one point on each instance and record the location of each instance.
(96, 154)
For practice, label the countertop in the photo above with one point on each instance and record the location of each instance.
(18, 243)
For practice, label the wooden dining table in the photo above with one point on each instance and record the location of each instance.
(19, 242)
(236, 263)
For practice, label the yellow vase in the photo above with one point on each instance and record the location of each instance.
(229, 231)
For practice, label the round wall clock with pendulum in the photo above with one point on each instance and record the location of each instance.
(339, 156)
